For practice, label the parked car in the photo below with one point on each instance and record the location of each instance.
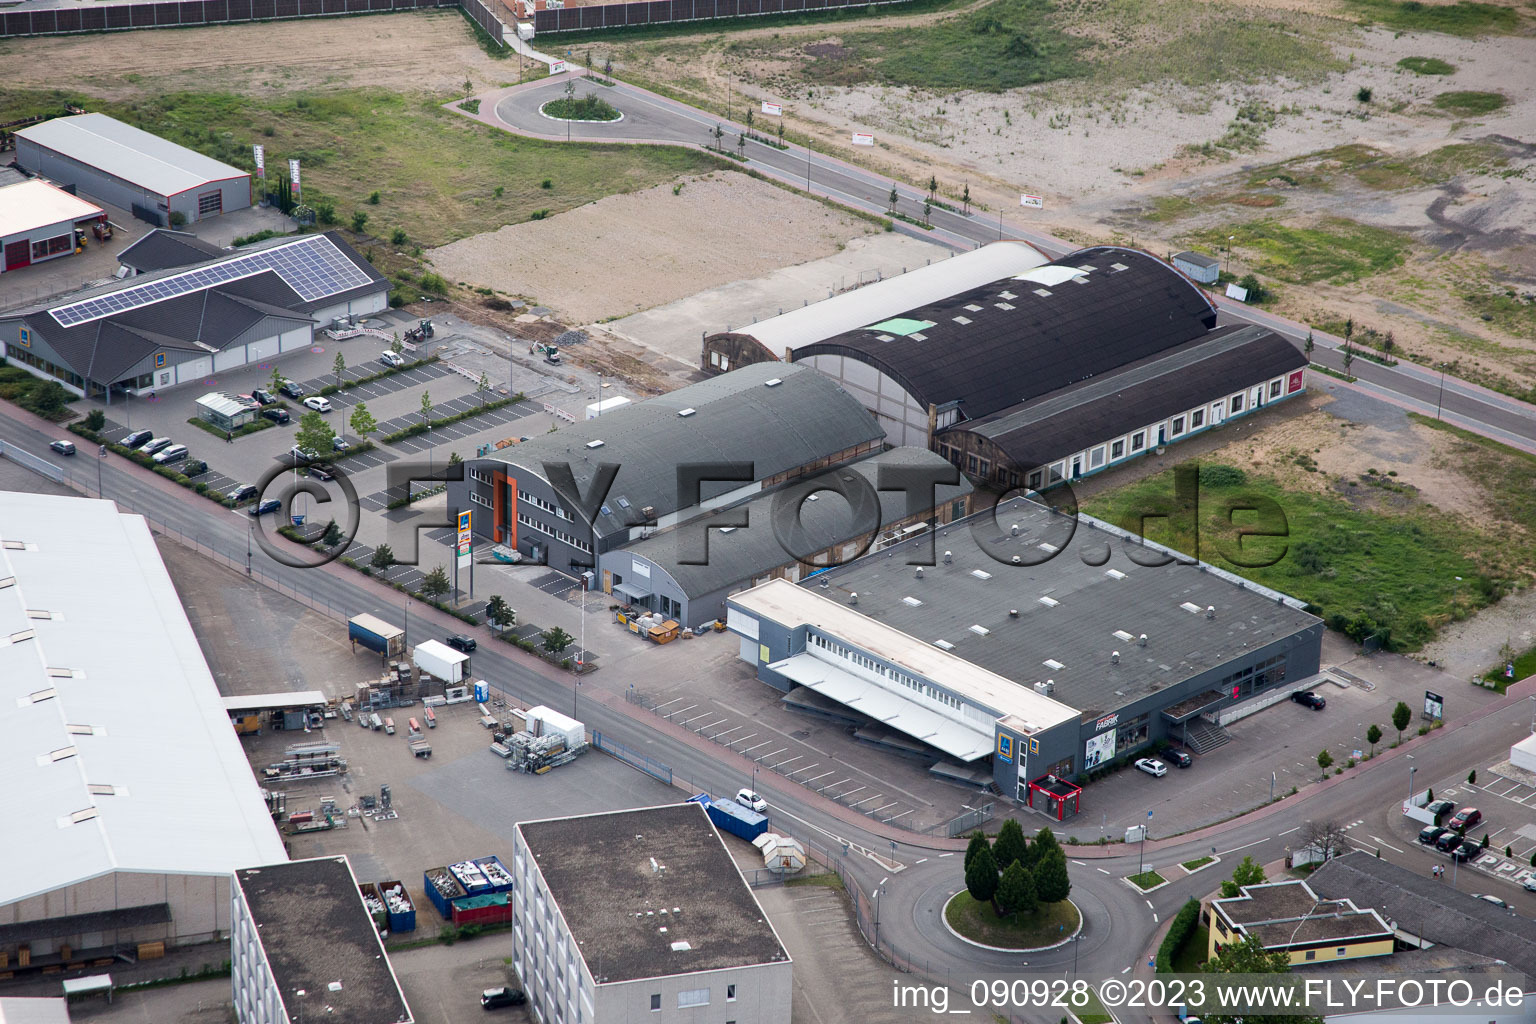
(1448, 842)
(1430, 833)
(392, 359)
(270, 505)
(1440, 808)
(277, 415)
(323, 471)
(340, 444)
(244, 492)
(293, 389)
(495, 998)
(301, 454)
(1466, 818)
(1306, 698)
(154, 445)
(1491, 899)
(263, 396)
(136, 438)
(747, 798)
(195, 467)
(459, 642)
(317, 403)
(1152, 766)
(1464, 852)
(63, 447)
(249, 401)
(175, 453)
(1178, 757)
(1529, 884)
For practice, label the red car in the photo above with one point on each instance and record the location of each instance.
(1466, 818)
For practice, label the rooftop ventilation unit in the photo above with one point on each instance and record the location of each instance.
(981, 574)
(917, 573)
(594, 444)
(944, 645)
(1053, 664)
(1114, 574)
(1049, 602)
(1017, 560)
(1191, 607)
(1141, 641)
(1121, 634)
(980, 630)
(1003, 305)
(773, 383)
(962, 320)
(973, 308)
(948, 558)
(1013, 531)
(1114, 657)
(1210, 611)
(911, 602)
(681, 947)
(686, 412)
(1013, 613)
(853, 597)
(1043, 293)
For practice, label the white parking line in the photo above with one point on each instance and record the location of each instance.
(851, 791)
(1080, 863)
(786, 761)
(1289, 831)
(1154, 917)
(943, 855)
(1234, 849)
(1387, 845)
(749, 750)
(1103, 872)
(884, 807)
(920, 860)
(742, 739)
(1126, 970)
(1149, 904)
(672, 715)
(807, 768)
(887, 821)
(716, 722)
(807, 782)
(729, 731)
(764, 757)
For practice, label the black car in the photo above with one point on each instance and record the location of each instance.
(1430, 833)
(244, 492)
(277, 415)
(1178, 757)
(292, 389)
(1441, 807)
(1307, 698)
(136, 438)
(1464, 852)
(1448, 842)
(461, 643)
(263, 396)
(494, 998)
(270, 505)
(323, 471)
(195, 467)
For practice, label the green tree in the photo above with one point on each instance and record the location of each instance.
(325, 213)
(383, 558)
(1010, 845)
(399, 237)
(426, 406)
(454, 458)
(1484, 843)
(314, 434)
(894, 197)
(1401, 716)
(1472, 777)
(965, 197)
(332, 535)
(47, 397)
(1349, 357)
(556, 639)
(1373, 737)
(483, 387)
(1045, 842)
(976, 845)
(1388, 343)
(1247, 873)
(1308, 345)
(435, 583)
(362, 421)
(359, 221)
(741, 145)
(1324, 759)
(749, 118)
(95, 419)
(1250, 957)
(933, 186)
(981, 876)
(927, 209)
(1349, 329)
(500, 614)
(339, 367)
(277, 379)
(1051, 881)
(397, 346)
(719, 133)
(1016, 891)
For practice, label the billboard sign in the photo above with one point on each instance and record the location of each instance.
(1005, 747)
(557, 67)
(261, 160)
(464, 542)
(293, 176)
(1434, 705)
(1033, 202)
(772, 109)
(1100, 749)
(863, 139)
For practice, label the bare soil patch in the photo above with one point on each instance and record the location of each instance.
(626, 253)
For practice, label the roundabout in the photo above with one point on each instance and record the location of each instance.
(978, 924)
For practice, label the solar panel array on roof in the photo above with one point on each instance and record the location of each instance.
(313, 267)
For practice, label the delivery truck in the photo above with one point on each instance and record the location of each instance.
(440, 661)
(376, 635)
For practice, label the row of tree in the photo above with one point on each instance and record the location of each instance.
(1013, 874)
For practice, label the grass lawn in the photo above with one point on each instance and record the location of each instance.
(1458, 19)
(1195, 865)
(440, 177)
(585, 108)
(1336, 250)
(1469, 103)
(1092, 1011)
(1427, 66)
(1388, 562)
(1146, 880)
(978, 922)
(1191, 952)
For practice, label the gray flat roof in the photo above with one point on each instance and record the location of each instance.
(627, 917)
(316, 933)
(1069, 612)
(777, 416)
(738, 554)
(156, 164)
(1289, 913)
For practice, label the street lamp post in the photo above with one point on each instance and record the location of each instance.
(1075, 939)
(101, 456)
(1411, 770)
(249, 536)
(1271, 787)
(877, 921)
(1229, 252)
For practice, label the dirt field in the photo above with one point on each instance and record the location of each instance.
(631, 252)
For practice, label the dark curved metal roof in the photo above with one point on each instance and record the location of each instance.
(992, 347)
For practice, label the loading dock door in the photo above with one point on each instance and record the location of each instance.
(210, 203)
(18, 255)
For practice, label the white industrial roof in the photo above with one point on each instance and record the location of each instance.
(146, 160)
(441, 651)
(115, 747)
(24, 1010)
(272, 701)
(27, 205)
(875, 302)
(791, 605)
(222, 404)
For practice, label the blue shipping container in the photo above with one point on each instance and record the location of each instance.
(736, 819)
(496, 873)
(469, 875)
(443, 901)
(399, 920)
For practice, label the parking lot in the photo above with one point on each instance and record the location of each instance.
(1506, 796)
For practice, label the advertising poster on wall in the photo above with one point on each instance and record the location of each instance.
(1100, 749)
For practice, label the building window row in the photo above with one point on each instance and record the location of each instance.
(479, 474)
(538, 502)
(870, 664)
(559, 535)
(37, 362)
(485, 502)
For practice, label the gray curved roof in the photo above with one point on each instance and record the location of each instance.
(778, 417)
(1015, 339)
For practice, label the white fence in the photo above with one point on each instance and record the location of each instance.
(32, 462)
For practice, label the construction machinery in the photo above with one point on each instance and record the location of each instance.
(421, 332)
(550, 352)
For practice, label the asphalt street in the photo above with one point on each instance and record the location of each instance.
(652, 118)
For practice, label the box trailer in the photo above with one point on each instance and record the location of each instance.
(376, 635)
(397, 902)
(440, 661)
(441, 889)
(490, 908)
(495, 873)
(732, 817)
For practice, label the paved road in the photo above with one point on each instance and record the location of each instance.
(1119, 921)
(652, 118)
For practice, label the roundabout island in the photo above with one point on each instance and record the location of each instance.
(587, 109)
